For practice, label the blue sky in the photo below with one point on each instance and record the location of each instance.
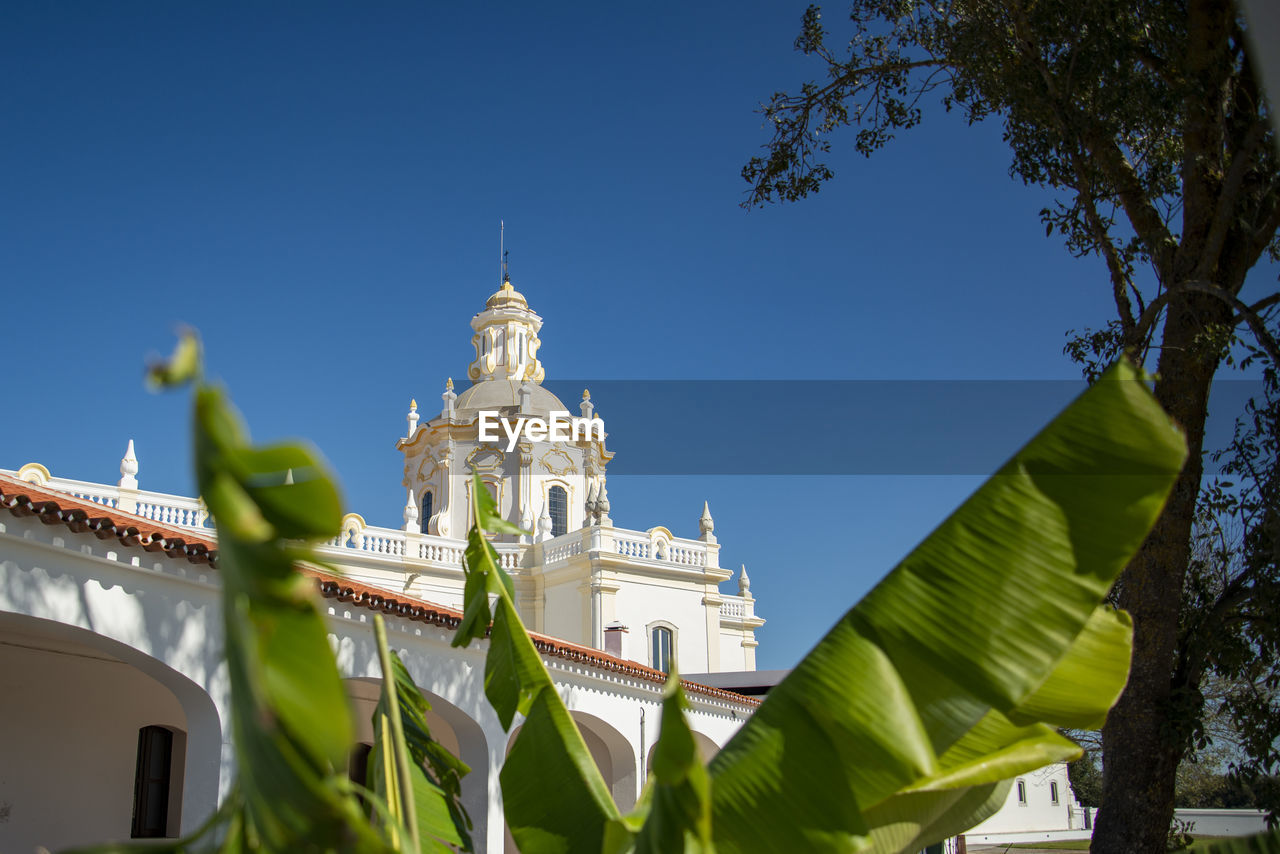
(317, 187)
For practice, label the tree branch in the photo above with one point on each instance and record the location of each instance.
(1228, 196)
(1243, 312)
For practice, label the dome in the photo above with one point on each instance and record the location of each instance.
(507, 297)
(496, 393)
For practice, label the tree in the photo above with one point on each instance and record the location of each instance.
(1227, 670)
(1147, 121)
(1086, 780)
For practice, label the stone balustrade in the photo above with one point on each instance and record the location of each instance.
(737, 608)
(380, 545)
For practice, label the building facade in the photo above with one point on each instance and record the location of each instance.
(111, 631)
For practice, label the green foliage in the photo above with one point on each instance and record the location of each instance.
(902, 727)
(291, 725)
(1267, 843)
(1086, 780)
(433, 815)
(573, 814)
(905, 723)
(1147, 123)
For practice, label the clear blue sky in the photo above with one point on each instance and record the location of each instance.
(317, 187)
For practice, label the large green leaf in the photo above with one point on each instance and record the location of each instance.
(574, 813)
(435, 775)
(677, 808)
(901, 722)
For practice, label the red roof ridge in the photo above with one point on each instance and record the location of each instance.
(23, 498)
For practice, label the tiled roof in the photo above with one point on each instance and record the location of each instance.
(26, 499)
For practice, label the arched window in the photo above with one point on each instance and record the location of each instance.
(662, 642)
(1053, 792)
(558, 500)
(426, 510)
(1022, 793)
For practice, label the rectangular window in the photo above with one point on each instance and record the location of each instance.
(1022, 793)
(151, 783)
(1053, 792)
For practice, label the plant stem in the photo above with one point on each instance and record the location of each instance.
(399, 748)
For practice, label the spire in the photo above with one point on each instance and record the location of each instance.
(602, 504)
(129, 468)
(411, 523)
(707, 525)
(544, 525)
(587, 407)
(744, 583)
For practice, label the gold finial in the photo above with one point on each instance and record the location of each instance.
(413, 405)
(586, 394)
(448, 386)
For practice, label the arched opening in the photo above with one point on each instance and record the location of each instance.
(558, 509)
(707, 749)
(455, 731)
(101, 724)
(427, 510)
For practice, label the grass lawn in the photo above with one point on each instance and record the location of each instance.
(1065, 845)
(1058, 845)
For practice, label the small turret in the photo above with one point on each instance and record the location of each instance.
(413, 418)
(449, 398)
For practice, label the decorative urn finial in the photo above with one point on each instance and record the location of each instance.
(129, 468)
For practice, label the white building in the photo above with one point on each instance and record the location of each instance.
(111, 635)
(110, 631)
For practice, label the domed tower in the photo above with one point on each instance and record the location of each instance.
(546, 484)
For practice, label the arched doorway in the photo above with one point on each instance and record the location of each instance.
(83, 711)
(706, 750)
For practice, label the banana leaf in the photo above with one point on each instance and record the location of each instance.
(897, 729)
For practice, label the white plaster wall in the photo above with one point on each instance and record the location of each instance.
(562, 613)
(70, 720)
(641, 602)
(157, 614)
(1039, 813)
(1210, 822)
(733, 656)
(160, 616)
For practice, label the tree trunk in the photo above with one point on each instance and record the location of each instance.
(1141, 742)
